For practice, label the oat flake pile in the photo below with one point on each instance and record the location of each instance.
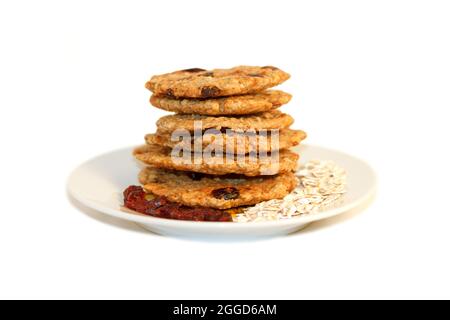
(321, 185)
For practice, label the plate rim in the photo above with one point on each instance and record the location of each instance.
(150, 220)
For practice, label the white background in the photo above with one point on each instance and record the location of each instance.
(370, 78)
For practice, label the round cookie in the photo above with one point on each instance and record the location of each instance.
(161, 157)
(223, 192)
(239, 143)
(235, 105)
(273, 119)
(200, 83)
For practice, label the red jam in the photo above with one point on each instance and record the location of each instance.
(135, 198)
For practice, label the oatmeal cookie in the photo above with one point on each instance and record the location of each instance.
(273, 119)
(200, 83)
(218, 192)
(235, 105)
(161, 157)
(239, 143)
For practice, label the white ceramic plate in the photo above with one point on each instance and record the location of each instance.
(99, 183)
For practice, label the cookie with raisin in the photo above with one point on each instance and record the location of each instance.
(273, 119)
(201, 83)
(217, 164)
(232, 141)
(218, 192)
(234, 105)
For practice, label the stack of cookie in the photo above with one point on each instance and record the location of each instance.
(226, 103)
